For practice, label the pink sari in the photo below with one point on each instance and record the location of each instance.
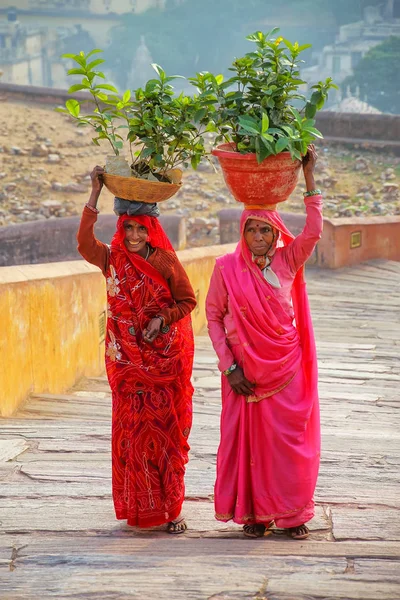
(268, 458)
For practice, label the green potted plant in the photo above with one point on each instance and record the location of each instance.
(161, 131)
(266, 124)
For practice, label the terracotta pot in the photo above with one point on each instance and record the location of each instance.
(267, 183)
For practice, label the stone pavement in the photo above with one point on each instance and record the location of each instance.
(59, 536)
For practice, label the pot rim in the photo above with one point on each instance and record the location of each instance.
(220, 151)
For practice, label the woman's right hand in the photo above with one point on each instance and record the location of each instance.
(239, 383)
(97, 179)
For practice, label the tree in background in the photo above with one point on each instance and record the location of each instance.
(377, 76)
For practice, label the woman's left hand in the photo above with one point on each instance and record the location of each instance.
(310, 160)
(152, 330)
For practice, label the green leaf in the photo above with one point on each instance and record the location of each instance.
(95, 51)
(95, 63)
(268, 145)
(249, 124)
(195, 161)
(76, 72)
(268, 138)
(316, 97)
(106, 86)
(77, 87)
(219, 79)
(96, 141)
(73, 107)
(160, 71)
(262, 151)
(264, 123)
(281, 145)
(147, 152)
(304, 47)
(289, 45)
(316, 133)
(127, 96)
(80, 60)
(199, 115)
(311, 110)
(296, 115)
(296, 154)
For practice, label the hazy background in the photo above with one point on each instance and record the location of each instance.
(357, 42)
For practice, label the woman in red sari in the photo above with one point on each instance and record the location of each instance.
(260, 326)
(149, 359)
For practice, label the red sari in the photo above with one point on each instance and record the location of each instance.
(150, 383)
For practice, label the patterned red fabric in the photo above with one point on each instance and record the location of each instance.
(150, 383)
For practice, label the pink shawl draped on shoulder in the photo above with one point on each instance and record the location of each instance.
(273, 349)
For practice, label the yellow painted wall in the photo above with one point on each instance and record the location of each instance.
(49, 329)
(50, 334)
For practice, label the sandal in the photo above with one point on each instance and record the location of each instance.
(257, 530)
(178, 526)
(301, 532)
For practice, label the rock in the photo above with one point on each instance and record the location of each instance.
(330, 182)
(50, 207)
(57, 186)
(40, 150)
(53, 158)
(200, 222)
(171, 205)
(361, 164)
(10, 187)
(202, 206)
(368, 197)
(390, 188)
(15, 150)
(75, 188)
(3, 175)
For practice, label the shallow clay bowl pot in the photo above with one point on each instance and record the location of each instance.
(141, 190)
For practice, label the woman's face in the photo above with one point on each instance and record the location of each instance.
(259, 236)
(135, 237)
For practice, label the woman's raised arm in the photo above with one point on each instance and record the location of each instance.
(90, 248)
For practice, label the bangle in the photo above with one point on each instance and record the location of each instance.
(230, 370)
(312, 193)
(92, 208)
(161, 319)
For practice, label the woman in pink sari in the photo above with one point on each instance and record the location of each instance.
(260, 326)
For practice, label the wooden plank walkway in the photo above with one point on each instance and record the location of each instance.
(59, 536)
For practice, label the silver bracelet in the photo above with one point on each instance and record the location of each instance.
(92, 208)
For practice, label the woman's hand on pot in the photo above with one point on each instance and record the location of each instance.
(152, 330)
(239, 383)
(97, 179)
(309, 161)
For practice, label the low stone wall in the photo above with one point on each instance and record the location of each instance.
(355, 126)
(55, 240)
(343, 127)
(344, 242)
(53, 323)
(348, 242)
